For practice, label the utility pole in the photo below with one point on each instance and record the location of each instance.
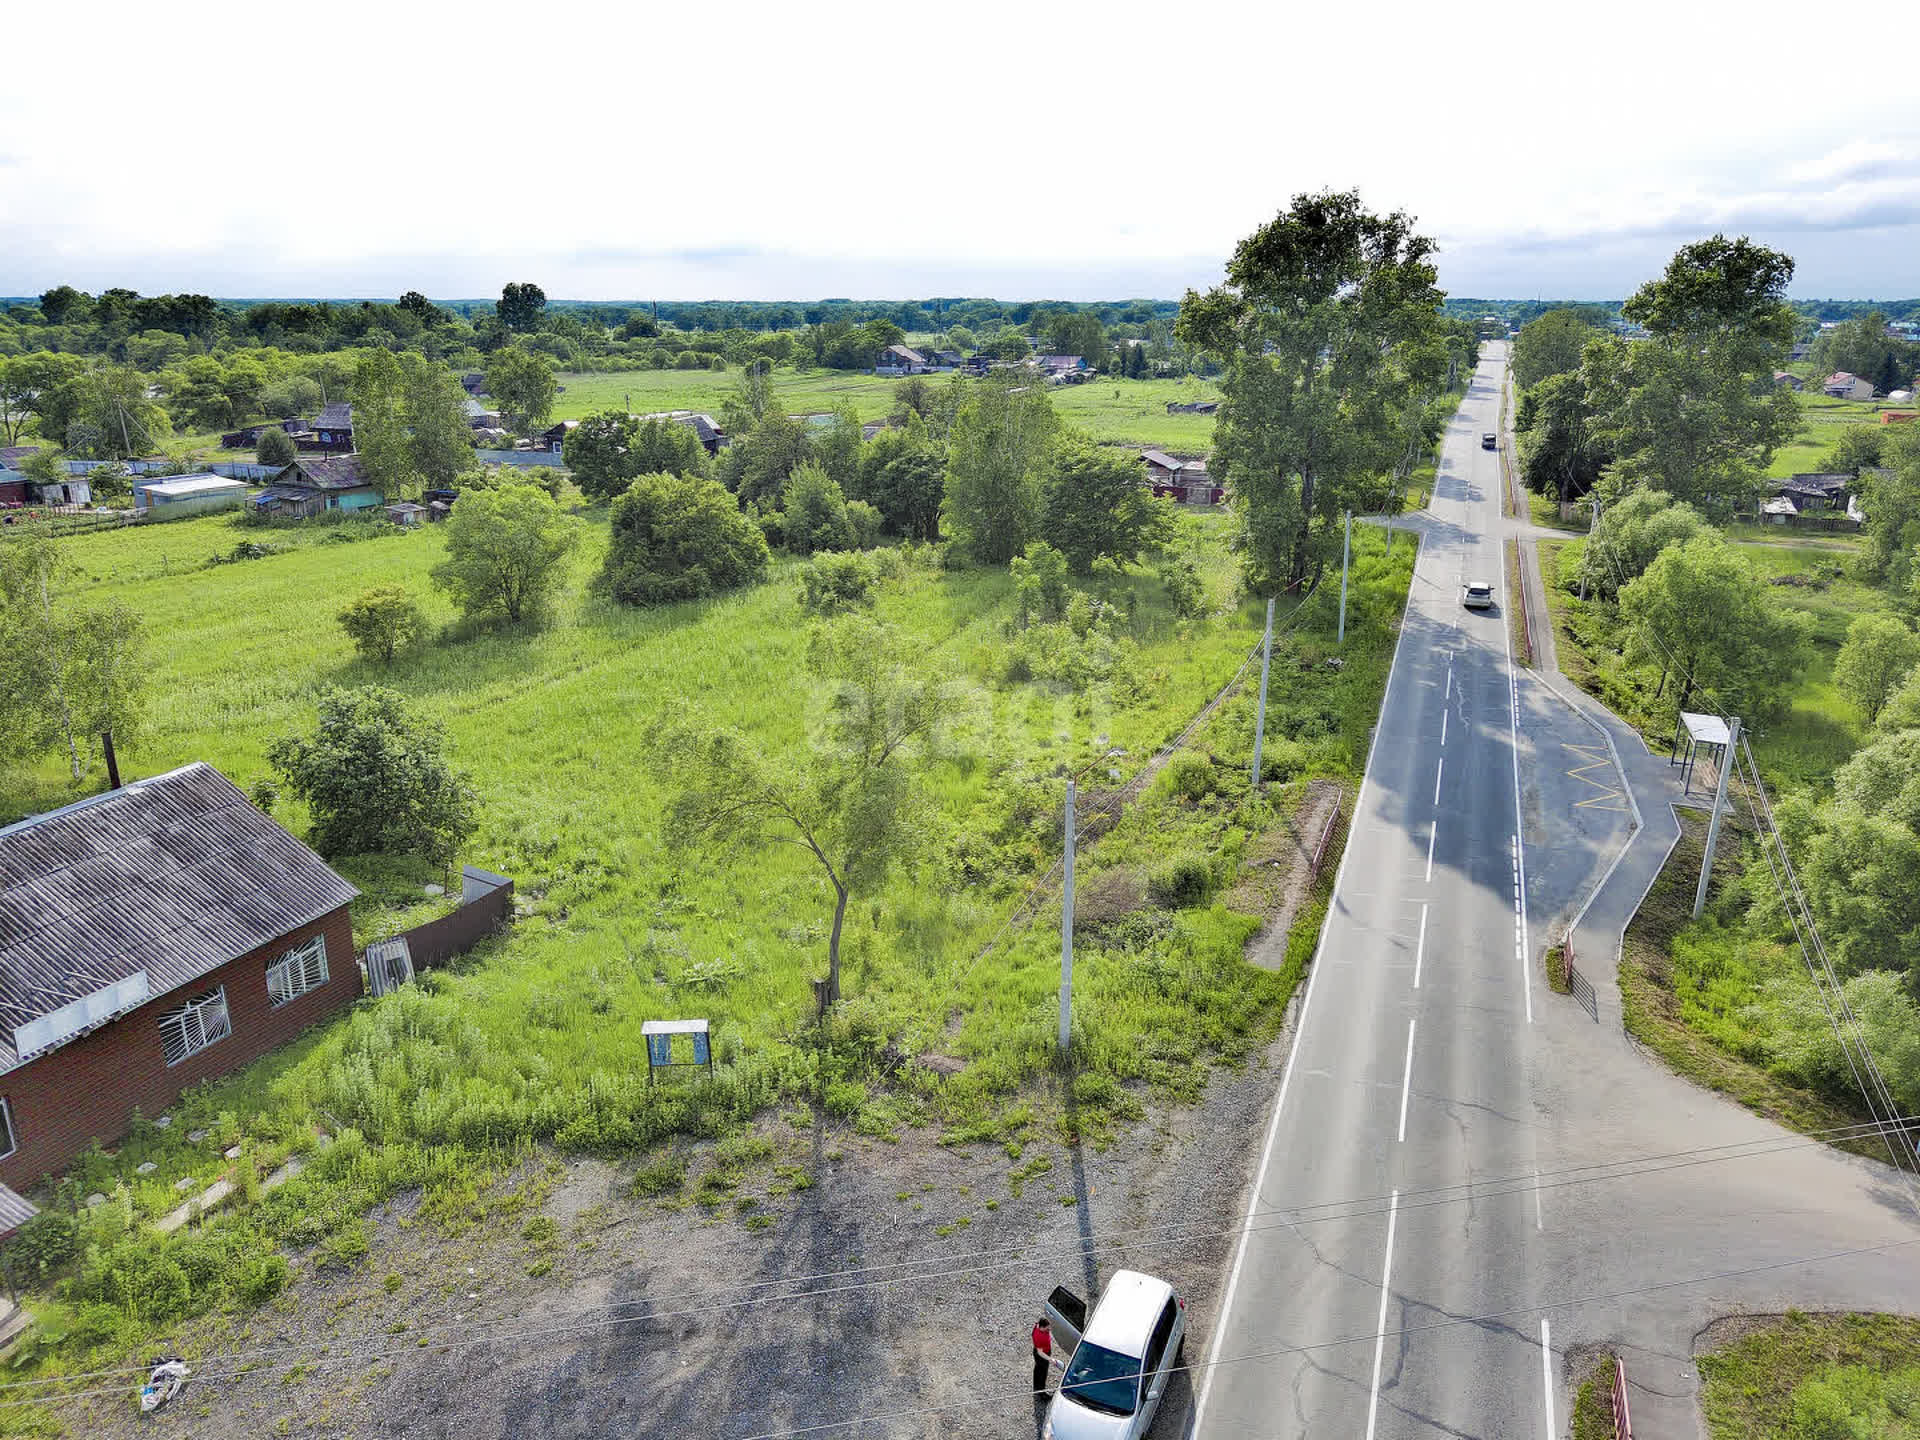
(1593, 526)
(1346, 553)
(1066, 936)
(1260, 719)
(1719, 804)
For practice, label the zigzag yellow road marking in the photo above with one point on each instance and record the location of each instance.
(1610, 797)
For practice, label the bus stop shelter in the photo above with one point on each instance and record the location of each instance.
(1700, 737)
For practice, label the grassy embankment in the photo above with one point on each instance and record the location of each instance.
(1803, 1376)
(1822, 419)
(531, 1039)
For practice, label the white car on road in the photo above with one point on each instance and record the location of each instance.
(1122, 1359)
(1477, 595)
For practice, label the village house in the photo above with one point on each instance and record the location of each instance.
(1064, 369)
(712, 437)
(902, 360)
(309, 486)
(248, 436)
(474, 383)
(151, 938)
(331, 432)
(17, 489)
(1192, 407)
(1786, 380)
(1843, 385)
(1184, 481)
(554, 437)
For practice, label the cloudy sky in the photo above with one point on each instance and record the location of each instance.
(846, 148)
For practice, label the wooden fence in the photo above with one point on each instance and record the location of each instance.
(1321, 850)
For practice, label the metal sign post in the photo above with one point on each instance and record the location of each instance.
(659, 1034)
(1066, 935)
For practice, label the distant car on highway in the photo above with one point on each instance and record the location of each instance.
(1122, 1359)
(1489, 441)
(1477, 595)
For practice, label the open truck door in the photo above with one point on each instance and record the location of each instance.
(1067, 1314)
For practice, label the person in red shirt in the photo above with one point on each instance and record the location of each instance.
(1042, 1354)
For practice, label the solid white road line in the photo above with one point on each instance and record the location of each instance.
(1431, 833)
(1380, 1333)
(1420, 950)
(1300, 1031)
(1406, 1083)
(1438, 771)
(1546, 1374)
(1519, 823)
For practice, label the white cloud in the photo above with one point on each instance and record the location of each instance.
(860, 147)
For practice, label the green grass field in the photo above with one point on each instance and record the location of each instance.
(533, 1038)
(1821, 419)
(1114, 412)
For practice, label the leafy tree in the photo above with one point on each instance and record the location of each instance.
(1861, 346)
(1856, 448)
(1879, 654)
(276, 447)
(997, 457)
(64, 305)
(1701, 615)
(107, 680)
(761, 463)
(1890, 498)
(382, 621)
(1010, 345)
(105, 414)
(1099, 505)
(34, 387)
(421, 308)
(815, 512)
(1692, 409)
(751, 402)
(1561, 455)
(1551, 344)
(854, 806)
(1078, 332)
(439, 436)
(523, 383)
(830, 584)
(1326, 327)
(599, 452)
(380, 422)
(505, 550)
(680, 537)
(836, 449)
(519, 310)
(375, 778)
(1631, 533)
(912, 395)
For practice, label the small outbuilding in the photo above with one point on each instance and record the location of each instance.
(189, 494)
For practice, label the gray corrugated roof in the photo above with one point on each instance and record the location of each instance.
(14, 1212)
(175, 875)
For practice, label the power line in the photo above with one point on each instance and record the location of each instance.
(943, 1265)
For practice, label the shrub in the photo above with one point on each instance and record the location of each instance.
(262, 1278)
(832, 583)
(96, 1324)
(382, 621)
(1181, 882)
(662, 1176)
(505, 550)
(44, 1243)
(689, 360)
(844, 1098)
(1039, 583)
(1186, 593)
(816, 512)
(1190, 775)
(680, 537)
(275, 447)
(865, 522)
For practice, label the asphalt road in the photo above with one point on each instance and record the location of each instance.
(1465, 1175)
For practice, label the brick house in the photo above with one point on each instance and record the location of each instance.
(150, 938)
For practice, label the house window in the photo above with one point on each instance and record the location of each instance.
(7, 1143)
(301, 969)
(195, 1025)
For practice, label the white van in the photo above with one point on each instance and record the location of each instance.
(1122, 1360)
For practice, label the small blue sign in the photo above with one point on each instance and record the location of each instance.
(660, 1049)
(701, 1055)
